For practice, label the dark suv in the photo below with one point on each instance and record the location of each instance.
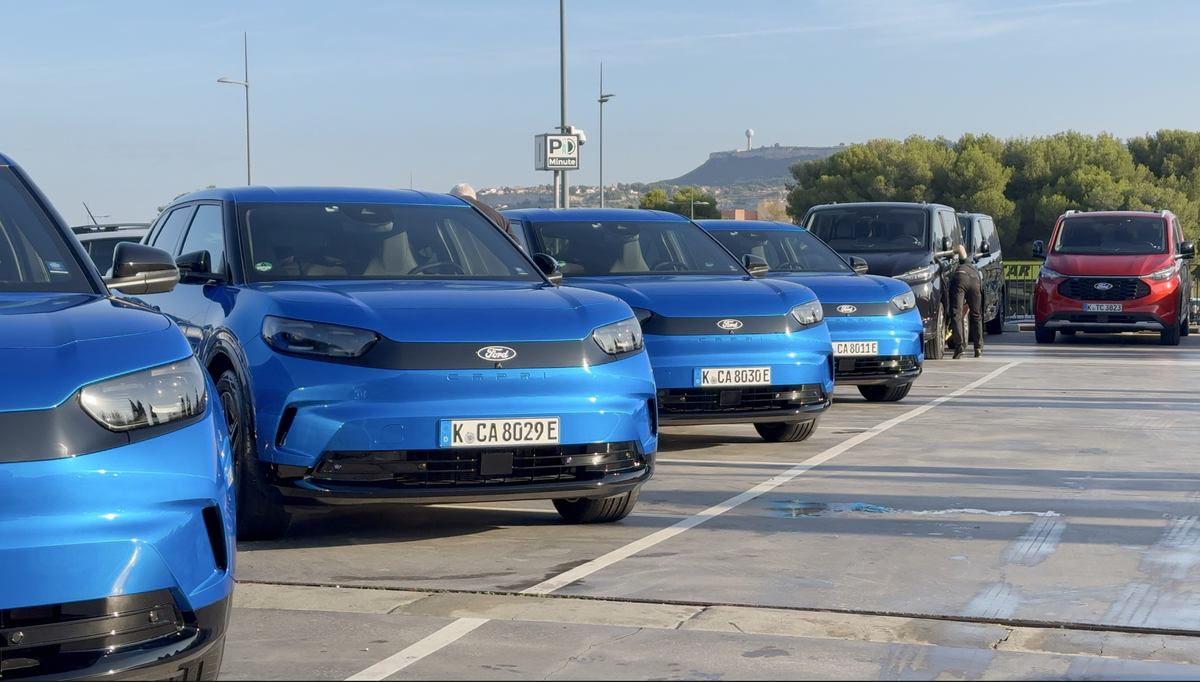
(982, 242)
(912, 242)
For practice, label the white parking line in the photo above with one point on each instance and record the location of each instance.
(463, 626)
(534, 510)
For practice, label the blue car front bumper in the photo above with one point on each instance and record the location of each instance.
(332, 433)
(801, 376)
(120, 561)
(901, 348)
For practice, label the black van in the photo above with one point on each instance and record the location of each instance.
(912, 242)
(982, 242)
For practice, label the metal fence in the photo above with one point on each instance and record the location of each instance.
(1020, 277)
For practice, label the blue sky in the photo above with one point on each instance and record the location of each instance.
(116, 103)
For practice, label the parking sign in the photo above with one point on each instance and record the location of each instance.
(555, 152)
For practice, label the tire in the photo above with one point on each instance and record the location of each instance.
(596, 509)
(885, 394)
(1170, 336)
(210, 665)
(1043, 335)
(258, 516)
(786, 432)
(1185, 323)
(935, 347)
(995, 325)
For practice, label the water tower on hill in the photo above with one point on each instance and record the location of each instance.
(749, 138)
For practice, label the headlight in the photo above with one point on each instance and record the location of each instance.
(1046, 273)
(316, 338)
(808, 313)
(905, 301)
(1164, 274)
(619, 337)
(159, 395)
(919, 275)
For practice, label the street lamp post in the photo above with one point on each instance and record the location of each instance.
(603, 98)
(245, 83)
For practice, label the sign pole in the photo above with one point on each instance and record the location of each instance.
(565, 202)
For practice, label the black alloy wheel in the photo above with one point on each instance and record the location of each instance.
(596, 509)
(258, 517)
(786, 432)
(996, 324)
(935, 347)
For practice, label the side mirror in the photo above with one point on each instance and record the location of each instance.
(196, 268)
(140, 269)
(1187, 249)
(985, 249)
(549, 267)
(859, 264)
(947, 244)
(757, 265)
(1039, 249)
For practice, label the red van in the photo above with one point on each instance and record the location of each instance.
(1114, 271)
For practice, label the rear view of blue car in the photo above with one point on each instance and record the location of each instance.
(726, 346)
(116, 510)
(374, 345)
(873, 321)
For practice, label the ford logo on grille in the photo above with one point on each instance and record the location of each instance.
(847, 309)
(730, 324)
(1103, 286)
(496, 353)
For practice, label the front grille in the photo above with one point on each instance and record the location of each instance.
(493, 467)
(875, 365)
(1122, 288)
(54, 639)
(711, 400)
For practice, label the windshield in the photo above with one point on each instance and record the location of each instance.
(308, 241)
(871, 228)
(1111, 235)
(784, 250)
(619, 247)
(33, 255)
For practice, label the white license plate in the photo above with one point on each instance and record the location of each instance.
(1102, 307)
(733, 376)
(488, 433)
(852, 348)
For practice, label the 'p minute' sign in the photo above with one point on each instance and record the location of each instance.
(555, 152)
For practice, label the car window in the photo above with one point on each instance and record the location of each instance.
(626, 247)
(949, 229)
(207, 234)
(784, 250)
(988, 229)
(854, 229)
(939, 231)
(168, 235)
(1177, 231)
(297, 241)
(1104, 235)
(33, 254)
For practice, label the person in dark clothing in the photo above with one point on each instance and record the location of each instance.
(966, 286)
(465, 192)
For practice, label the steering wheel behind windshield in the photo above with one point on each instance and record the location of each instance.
(670, 265)
(421, 269)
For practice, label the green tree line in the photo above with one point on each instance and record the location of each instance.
(1024, 183)
(688, 201)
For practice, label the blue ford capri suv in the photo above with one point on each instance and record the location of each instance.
(394, 345)
(726, 346)
(116, 508)
(878, 338)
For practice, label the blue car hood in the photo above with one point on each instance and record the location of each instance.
(700, 295)
(837, 287)
(52, 344)
(441, 311)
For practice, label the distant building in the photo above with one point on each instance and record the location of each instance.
(739, 214)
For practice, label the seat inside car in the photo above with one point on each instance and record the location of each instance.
(395, 257)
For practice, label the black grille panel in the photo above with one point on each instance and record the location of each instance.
(875, 365)
(1122, 288)
(711, 400)
(492, 467)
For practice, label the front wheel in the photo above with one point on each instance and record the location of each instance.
(884, 394)
(1185, 322)
(1043, 335)
(996, 324)
(786, 432)
(596, 509)
(935, 347)
(1170, 335)
(258, 517)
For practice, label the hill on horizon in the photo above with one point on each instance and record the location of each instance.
(742, 167)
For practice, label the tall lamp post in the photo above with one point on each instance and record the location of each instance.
(245, 83)
(603, 98)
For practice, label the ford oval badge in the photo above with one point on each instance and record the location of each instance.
(847, 309)
(1103, 286)
(730, 325)
(496, 353)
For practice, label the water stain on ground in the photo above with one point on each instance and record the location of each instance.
(553, 572)
(766, 652)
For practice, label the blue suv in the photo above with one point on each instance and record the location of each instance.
(726, 346)
(116, 509)
(395, 345)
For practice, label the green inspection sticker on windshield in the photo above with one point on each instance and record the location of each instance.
(263, 266)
